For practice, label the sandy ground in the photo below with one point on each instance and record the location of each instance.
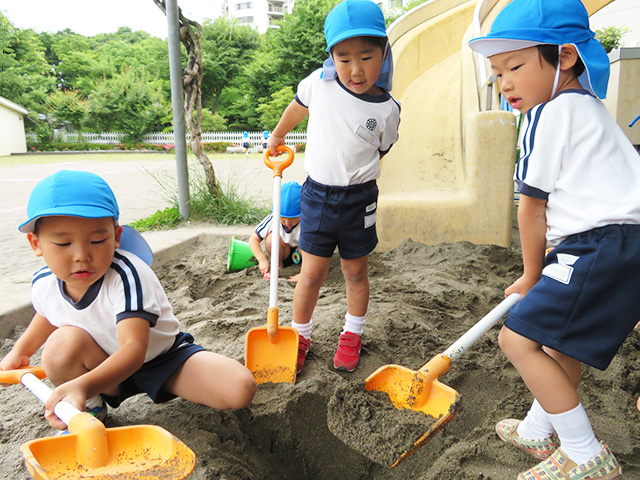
(422, 299)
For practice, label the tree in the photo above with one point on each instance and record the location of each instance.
(26, 78)
(68, 106)
(190, 33)
(291, 52)
(610, 36)
(227, 48)
(129, 102)
(271, 111)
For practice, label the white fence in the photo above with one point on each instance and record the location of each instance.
(115, 138)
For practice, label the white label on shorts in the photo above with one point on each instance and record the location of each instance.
(370, 208)
(369, 220)
(567, 259)
(561, 273)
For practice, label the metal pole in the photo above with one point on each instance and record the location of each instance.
(177, 101)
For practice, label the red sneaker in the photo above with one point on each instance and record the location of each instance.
(348, 354)
(303, 347)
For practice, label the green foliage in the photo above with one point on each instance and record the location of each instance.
(227, 47)
(396, 12)
(67, 106)
(212, 122)
(230, 208)
(610, 36)
(129, 102)
(216, 147)
(48, 146)
(161, 220)
(271, 111)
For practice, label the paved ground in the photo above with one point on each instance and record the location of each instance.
(135, 180)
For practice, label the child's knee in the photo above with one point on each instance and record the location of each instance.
(60, 350)
(507, 342)
(246, 390)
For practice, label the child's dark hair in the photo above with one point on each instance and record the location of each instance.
(380, 42)
(550, 55)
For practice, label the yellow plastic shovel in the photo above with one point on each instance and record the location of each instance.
(92, 451)
(420, 390)
(271, 352)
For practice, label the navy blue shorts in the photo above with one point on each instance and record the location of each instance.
(333, 216)
(153, 374)
(245, 145)
(588, 299)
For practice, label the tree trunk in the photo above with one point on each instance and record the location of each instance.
(190, 32)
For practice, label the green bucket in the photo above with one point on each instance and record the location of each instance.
(240, 255)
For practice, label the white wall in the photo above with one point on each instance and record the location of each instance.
(12, 138)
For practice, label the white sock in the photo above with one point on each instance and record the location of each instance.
(536, 424)
(576, 434)
(303, 329)
(93, 402)
(353, 324)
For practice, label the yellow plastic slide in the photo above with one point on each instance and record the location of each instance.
(449, 176)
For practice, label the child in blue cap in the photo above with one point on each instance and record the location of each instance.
(246, 143)
(289, 231)
(353, 122)
(580, 182)
(107, 327)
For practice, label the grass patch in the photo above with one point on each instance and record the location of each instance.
(232, 207)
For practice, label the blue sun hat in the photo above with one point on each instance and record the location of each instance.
(527, 23)
(80, 194)
(290, 200)
(356, 18)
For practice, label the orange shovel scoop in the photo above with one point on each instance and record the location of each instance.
(271, 352)
(92, 451)
(421, 390)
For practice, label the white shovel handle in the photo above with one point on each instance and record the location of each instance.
(275, 242)
(480, 328)
(63, 410)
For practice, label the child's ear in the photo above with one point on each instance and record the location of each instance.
(568, 56)
(118, 235)
(35, 244)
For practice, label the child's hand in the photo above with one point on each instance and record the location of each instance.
(263, 265)
(71, 392)
(521, 286)
(272, 143)
(13, 361)
(294, 278)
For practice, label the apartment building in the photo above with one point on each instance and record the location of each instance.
(260, 14)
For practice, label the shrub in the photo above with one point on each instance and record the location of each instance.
(217, 147)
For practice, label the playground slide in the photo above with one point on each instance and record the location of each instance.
(449, 176)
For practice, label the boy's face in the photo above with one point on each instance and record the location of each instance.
(289, 223)
(525, 79)
(358, 64)
(78, 250)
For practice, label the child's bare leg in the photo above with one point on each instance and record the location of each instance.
(214, 380)
(70, 352)
(312, 275)
(357, 280)
(545, 376)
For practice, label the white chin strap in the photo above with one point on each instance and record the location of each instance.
(557, 77)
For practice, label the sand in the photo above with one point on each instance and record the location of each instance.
(422, 299)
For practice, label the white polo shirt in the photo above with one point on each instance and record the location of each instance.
(577, 157)
(347, 132)
(129, 289)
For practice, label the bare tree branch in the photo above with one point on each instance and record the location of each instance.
(190, 33)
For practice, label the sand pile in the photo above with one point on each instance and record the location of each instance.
(422, 299)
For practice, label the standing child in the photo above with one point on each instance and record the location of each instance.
(289, 234)
(580, 182)
(246, 143)
(107, 327)
(353, 122)
(265, 138)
